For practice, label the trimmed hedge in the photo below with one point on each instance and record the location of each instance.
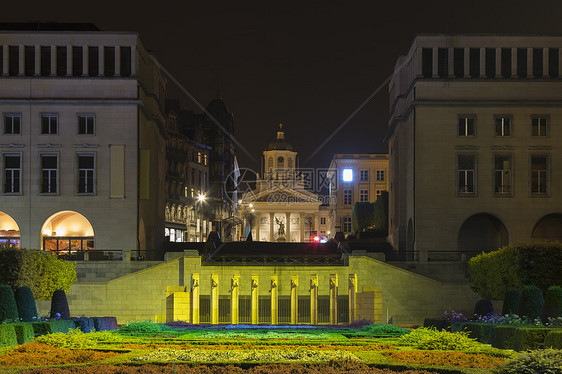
(59, 305)
(553, 339)
(511, 302)
(85, 324)
(8, 335)
(552, 303)
(24, 332)
(8, 307)
(483, 332)
(503, 336)
(25, 301)
(531, 303)
(50, 327)
(526, 338)
(105, 323)
(438, 323)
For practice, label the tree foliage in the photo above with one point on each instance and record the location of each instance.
(362, 216)
(40, 271)
(534, 263)
(381, 212)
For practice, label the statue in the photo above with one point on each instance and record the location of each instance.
(281, 231)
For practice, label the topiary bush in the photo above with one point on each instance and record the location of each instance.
(552, 303)
(531, 303)
(483, 307)
(27, 310)
(553, 339)
(8, 335)
(59, 305)
(543, 361)
(8, 307)
(511, 302)
(42, 272)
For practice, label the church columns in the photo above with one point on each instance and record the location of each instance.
(288, 227)
(257, 227)
(316, 223)
(302, 226)
(271, 218)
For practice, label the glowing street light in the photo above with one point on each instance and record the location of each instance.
(201, 198)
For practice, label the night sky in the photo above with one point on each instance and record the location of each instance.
(307, 64)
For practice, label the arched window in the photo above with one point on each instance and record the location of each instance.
(280, 162)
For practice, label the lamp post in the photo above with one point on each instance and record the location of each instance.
(200, 200)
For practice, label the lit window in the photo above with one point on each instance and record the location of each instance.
(503, 126)
(466, 126)
(502, 175)
(347, 197)
(466, 165)
(85, 124)
(12, 124)
(12, 173)
(348, 175)
(364, 175)
(199, 157)
(364, 195)
(539, 175)
(166, 232)
(539, 126)
(205, 159)
(380, 175)
(172, 235)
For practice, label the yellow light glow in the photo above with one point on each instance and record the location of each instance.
(47, 232)
(60, 231)
(329, 232)
(253, 210)
(251, 205)
(201, 198)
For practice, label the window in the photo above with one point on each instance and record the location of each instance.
(49, 173)
(378, 193)
(322, 220)
(49, 124)
(364, 195)
(490, 67)
(346, 224)
(466, 166)
(427, 62)
(467, 126)
(86, 173)
(539, 175)
(474, 60)
(502, 174)
(503, 126)
(539, 126)
(199, 157)
(12, 173)
(380, 175)
(458, 65)
(12, 124)
(364, 175)
(348, 175)
(204, 159)
(85, 124)
(347, 197)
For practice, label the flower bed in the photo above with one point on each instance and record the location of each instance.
(445, 358)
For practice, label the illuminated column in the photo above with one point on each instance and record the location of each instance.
(257, 229)
(195, 298)
(352, 297)
(288, 226)
(302, 227)
(5, 63)
(314, 299)
(255, 300)
(274, 300)
(317, 223)
(294, 299)
(466, 71)
(234, 300)
(214, 299)
(271, 218)
(451, 65)
(419, 59)
(333, 299)
(133, 60)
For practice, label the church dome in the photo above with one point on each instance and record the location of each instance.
(280, 144)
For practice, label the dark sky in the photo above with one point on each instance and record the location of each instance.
(307, 64)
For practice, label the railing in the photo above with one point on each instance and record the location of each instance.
(269, 261)
(431, 256)
(109, 255)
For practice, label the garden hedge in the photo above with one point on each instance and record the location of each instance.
(531, 303)
(25, 301)
(85, 324)
(511, 302)
(553, 339)
(527, 338)
(552, 303)
(503, 336)
(24, 332)
(105, 323)
(8, 335)
(8, 307)
(483, 332)
(50, 327)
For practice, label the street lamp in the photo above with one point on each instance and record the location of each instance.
(201, 200)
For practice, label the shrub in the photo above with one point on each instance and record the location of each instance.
(492, 274)
(483, 332)
(540, 264)
(85, 324)
(544, 361)
(503, 337)
(483, 307)
(511, 302)
(51, 327)
(553, 339)
(8, 335)
(8, 307)
(552, 303)
(27, 310)
(525, 338)
(532, 302)
(143, 327)
(42, 272)
(59, 305)
(24, 332)
(431, 339)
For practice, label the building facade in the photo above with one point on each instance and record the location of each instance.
(474, 141)
(82, 140)
(355, 178)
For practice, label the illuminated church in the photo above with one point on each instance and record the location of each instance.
(280, 209)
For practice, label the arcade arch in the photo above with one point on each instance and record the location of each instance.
(482, 232)
(9, 231)
(67, 231)
(548, 227)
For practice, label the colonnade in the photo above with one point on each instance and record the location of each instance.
(287, 226)
(185, 305)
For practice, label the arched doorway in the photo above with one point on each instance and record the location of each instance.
(66, 232)
(482, 232)
(548, 227)
(9, 231)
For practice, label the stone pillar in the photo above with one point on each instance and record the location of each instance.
(257, 227)
(302, 227)
(195, 298)
(5, 61)
(68, 60)
(234, 299)
(317, 223)
(288, 227)
(101, 60)
(274, 300)
(37, 60)
(545, 72)
(482, 62)
(352, 297)
(117, 61)
(559, 62)
(133, 60)
(85, 61)
(333, 299)
(451, 65)
(530, 73)
(53, 60)
(498, 62)
(294, 299)
(513, 62)
(467, 62)
(255, 300)
(21, 54)
(435, 59)
(214, 299)
(314, 299)
(271, 227)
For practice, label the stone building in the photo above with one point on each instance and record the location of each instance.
(356, 178)
(82, 140)
(474, 141)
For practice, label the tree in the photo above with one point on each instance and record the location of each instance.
(381, 212)
(362, 216)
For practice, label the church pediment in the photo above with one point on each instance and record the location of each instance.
(281, 194)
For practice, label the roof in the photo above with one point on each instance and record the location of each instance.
(280, 144)
(47, 26)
